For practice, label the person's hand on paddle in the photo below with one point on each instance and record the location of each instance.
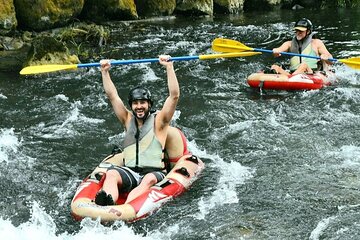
(105, 65)
(276, 52)
(165, 60)
(325, 57)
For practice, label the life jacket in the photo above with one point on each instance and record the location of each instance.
(142, 150)
(303, 47)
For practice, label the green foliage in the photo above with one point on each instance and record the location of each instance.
(82, 38)
(340, 3)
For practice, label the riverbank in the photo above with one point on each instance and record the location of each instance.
(69, 31)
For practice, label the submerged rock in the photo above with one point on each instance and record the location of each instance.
(297, 7)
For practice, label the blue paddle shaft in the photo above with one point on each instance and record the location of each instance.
(149, 60)
(292, 54)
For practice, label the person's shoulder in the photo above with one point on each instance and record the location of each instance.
(315, 38)
(287, 43)
(318, 41)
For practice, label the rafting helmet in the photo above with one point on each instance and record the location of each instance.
(139, 93)
(303, 25)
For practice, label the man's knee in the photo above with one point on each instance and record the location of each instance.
(149, 179)
(113, 174)
(276, 68)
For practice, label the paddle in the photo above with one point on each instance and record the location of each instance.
(228, 46)
(56, 67)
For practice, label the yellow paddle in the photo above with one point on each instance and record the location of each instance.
(56, 67)
(228, 46)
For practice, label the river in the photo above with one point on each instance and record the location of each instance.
(279, 165)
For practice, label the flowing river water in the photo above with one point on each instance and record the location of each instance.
(279, 165)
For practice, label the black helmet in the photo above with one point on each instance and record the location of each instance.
(303, 25)
(139, 93)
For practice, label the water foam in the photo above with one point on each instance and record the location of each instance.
(42, 226)
(9, 144)
(68, 127)
(231, 174)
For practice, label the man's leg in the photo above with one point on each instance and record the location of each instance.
(146, 183)
(280, 70)
(112, 183)
(303, 68)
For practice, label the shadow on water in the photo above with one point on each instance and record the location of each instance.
(261, 94)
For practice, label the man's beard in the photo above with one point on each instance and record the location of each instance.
(300, 38)
(142, 116)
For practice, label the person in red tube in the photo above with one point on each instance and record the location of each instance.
(145, 137)
(303, 43)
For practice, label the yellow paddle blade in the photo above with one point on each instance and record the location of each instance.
(228, 55)
(353, 62)
(228, 45)
(46, 68)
